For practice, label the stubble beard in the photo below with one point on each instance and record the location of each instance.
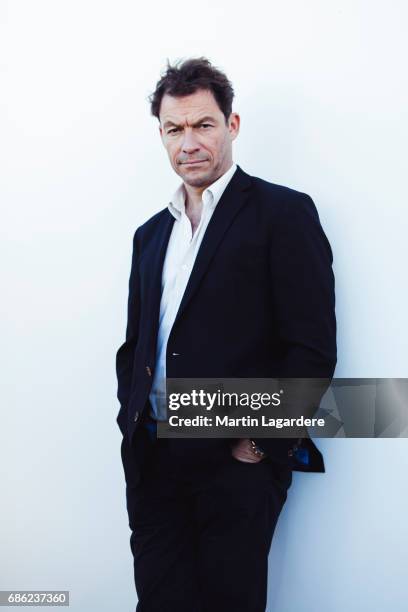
(201, 179)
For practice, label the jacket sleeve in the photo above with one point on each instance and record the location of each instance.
(303, 297)
(125, 353)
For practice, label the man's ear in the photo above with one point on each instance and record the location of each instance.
(234, 123)
(162, 134)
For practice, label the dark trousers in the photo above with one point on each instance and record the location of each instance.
(201, 533)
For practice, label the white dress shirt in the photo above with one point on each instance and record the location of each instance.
(181, 253)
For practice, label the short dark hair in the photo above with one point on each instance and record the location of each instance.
(186, 77)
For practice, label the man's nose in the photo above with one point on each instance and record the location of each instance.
(189, 144)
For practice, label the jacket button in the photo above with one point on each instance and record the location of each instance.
(290, 452)
(136, 416)
(148, 370)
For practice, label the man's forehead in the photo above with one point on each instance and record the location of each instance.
(188, 108)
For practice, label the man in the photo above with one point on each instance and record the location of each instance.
(232, 279)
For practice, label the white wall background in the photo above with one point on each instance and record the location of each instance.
(321, 87)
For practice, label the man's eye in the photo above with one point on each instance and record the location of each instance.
(172, 130)
(206, 125)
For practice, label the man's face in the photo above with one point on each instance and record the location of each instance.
(197, 138)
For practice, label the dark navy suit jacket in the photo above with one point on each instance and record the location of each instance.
(259, 303)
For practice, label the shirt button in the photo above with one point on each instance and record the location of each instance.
(184, 267)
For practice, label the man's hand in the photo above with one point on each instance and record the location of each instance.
(243, 452)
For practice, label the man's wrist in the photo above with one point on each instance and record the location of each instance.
(256, 450)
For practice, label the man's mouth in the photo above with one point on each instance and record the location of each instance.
(193, 162)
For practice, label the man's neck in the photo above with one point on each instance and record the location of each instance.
(193, 197)
(194, 194)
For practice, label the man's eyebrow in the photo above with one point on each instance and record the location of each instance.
(202, 120)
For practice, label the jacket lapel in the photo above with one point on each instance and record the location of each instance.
(151, 270)
(233, 198)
